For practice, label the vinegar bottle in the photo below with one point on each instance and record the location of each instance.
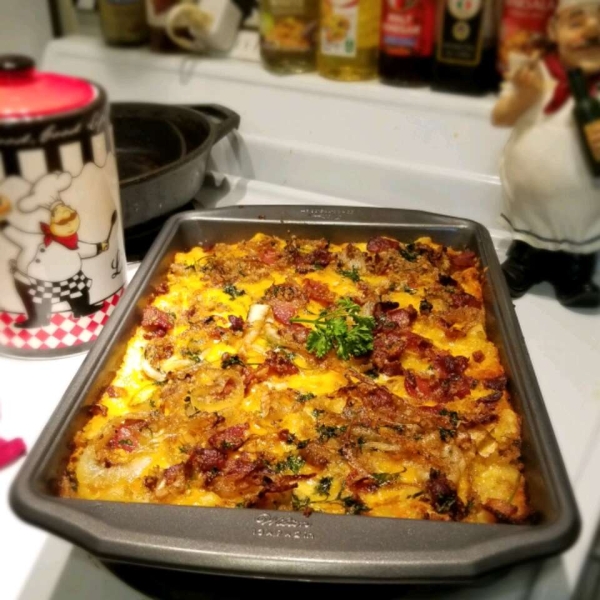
(407, 40)
(349, 39)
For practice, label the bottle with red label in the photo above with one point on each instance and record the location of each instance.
(523, 32)
(407, 40)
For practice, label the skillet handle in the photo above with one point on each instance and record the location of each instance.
(223, 119)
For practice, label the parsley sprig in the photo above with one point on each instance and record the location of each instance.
(341, 327)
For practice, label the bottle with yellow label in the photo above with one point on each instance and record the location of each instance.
(349, 39)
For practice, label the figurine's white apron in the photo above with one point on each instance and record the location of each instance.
(550, 200)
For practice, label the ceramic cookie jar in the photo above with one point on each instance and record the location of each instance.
(62, 259)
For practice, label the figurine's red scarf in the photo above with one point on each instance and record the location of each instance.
(562, 91)
(68, 241)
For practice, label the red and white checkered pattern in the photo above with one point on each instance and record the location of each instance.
(64, 330)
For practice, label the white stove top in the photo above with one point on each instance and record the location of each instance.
(310, 141)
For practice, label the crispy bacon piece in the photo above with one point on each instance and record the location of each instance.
(285, 299)
(236, 323)
(463, 260)
(403, 317)
(157, 350)
(503, 511)
(478, 356)
(156, 322)
(381, 309)
(497, 383)
(420, 387)
(283, 311)
(388, 347)
(459, 299)
(492, 398)
(299, 332)
(269, 256)
(379, 244)
(317, 291)
(126, 435)
(447, 365)
(277, 363)
(231, 438)
(97, 409)
(205, 460)
(316, 454)
(113, 391)
(443, 496)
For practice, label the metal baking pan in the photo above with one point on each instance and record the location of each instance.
(284, 545)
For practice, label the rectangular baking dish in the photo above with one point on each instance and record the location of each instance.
(281, 545)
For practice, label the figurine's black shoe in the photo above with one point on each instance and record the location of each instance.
(523, 268)
(573, 284)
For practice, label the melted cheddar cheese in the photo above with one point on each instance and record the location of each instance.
(222, 400)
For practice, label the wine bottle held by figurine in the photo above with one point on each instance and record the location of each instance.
(587, 116)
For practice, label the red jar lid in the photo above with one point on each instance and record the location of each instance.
(27, 93)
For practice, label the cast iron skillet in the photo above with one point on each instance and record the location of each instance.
(162, 152)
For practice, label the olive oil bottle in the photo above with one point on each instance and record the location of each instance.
(349, 39)
(287, 35)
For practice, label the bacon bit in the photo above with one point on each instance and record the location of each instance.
(227, 388)
(284, 435)
(283, 311)
(317, 291)
(379, 244)
(463, 260)
(174, 474)
(97, 409)
(416, 343)
(388, 347)
(299, 332)
(460, 299)
(319, 258)
(269, 256)
(150, 483)
(403, 317)
(156, 322)
(420, 387)
(237, 323)
(490, 398)
(446, 280)
(378, 397)
(114, 391)
(126, 435)
(231, 438)
(278, 363)
(381, 309)
(204, 460)
(478, 356)
(443, 496)
(447, 365)
(249, 376)
(497, 383)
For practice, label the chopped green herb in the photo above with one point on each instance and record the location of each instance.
(408, 253)
(384, 478)
(302, 444)
(302, 398)
(352, 274)
(425, 306)
(230, 360)
(195, 356)
(292, 463)
(408, 290)
(354, 506)
(300, 503)
(324, 486)
(446, 434)
(326, 432)
(185, 449)
(415, 495)
(125, 442)
(332, 330)
(452, 415)
(372, 373)
(232, 291)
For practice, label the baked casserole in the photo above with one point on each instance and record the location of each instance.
(302, 375)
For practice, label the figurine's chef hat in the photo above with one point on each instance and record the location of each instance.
(46, 192)
(562, 4)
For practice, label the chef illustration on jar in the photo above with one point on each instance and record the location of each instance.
(48, 267)
(551, 202)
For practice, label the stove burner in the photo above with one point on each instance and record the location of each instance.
(139, 238)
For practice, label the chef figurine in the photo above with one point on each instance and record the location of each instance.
(48, 268)
(550, 200)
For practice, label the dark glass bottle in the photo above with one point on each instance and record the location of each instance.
(407, 40)
(465, 55)
(587, 117)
